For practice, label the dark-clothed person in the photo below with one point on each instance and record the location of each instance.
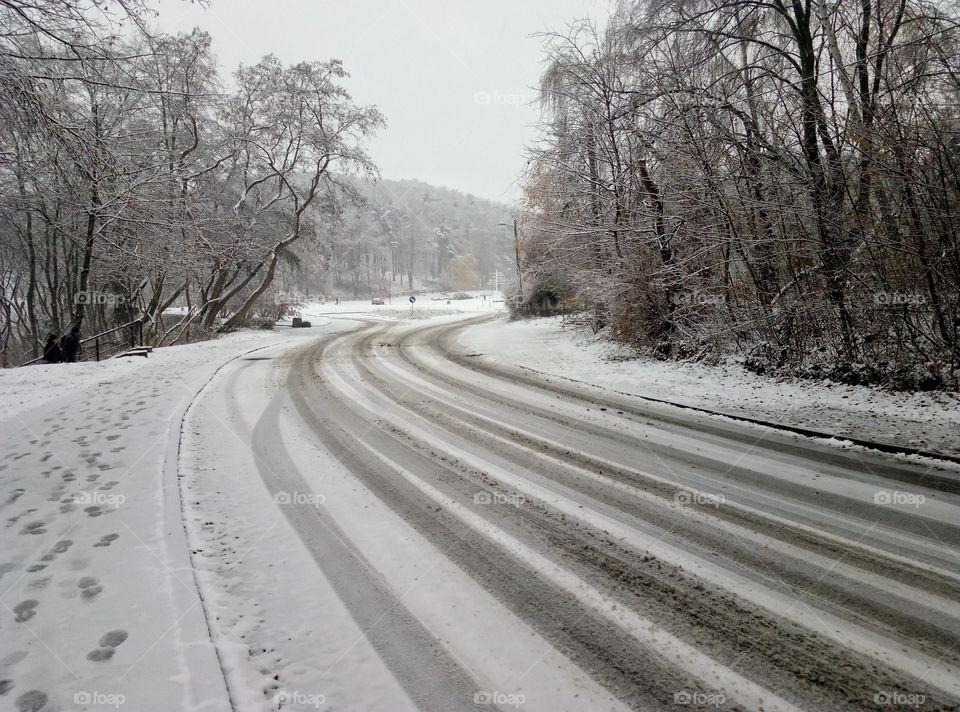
(51, 350)
(70, 345)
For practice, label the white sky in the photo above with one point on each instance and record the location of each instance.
(453, 78)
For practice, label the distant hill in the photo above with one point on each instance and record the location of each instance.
(407, 235)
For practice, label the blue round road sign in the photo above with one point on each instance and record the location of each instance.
(412, 299)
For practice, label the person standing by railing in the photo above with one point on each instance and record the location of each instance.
(51, 350)
(70, 345)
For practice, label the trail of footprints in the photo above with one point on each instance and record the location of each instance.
(86, 588)
(36, 700)
(69, 493)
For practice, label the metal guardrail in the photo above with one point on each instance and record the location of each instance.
(107, 343)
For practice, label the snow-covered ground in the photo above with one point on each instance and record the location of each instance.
(929, 421)
(99, 605)
(273, 521)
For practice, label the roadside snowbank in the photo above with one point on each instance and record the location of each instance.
(921, 420)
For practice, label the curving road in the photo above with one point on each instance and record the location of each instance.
(603, 553)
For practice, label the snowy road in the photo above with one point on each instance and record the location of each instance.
(411, 529)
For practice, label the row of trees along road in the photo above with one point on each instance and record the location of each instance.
(130, 177)
(775, 178)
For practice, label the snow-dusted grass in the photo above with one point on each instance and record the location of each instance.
(923, 420)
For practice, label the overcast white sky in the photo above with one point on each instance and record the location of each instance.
(453, 78)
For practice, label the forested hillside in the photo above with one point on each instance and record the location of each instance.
(406, 235)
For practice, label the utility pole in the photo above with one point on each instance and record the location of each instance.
(516, 248)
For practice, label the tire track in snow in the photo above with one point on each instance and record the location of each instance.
(351, 398)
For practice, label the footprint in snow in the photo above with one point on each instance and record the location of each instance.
(93, 511)
(5, 687)
(60, 547)
(17, 517)
(113, 638)
(34, 528)
(106, 540)
(108, 643)
(13, 658)
(25, 610)
(40, 583)
(32, 701)
(90, 587)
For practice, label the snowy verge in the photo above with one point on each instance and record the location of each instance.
(928, 421)
(98, 605)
